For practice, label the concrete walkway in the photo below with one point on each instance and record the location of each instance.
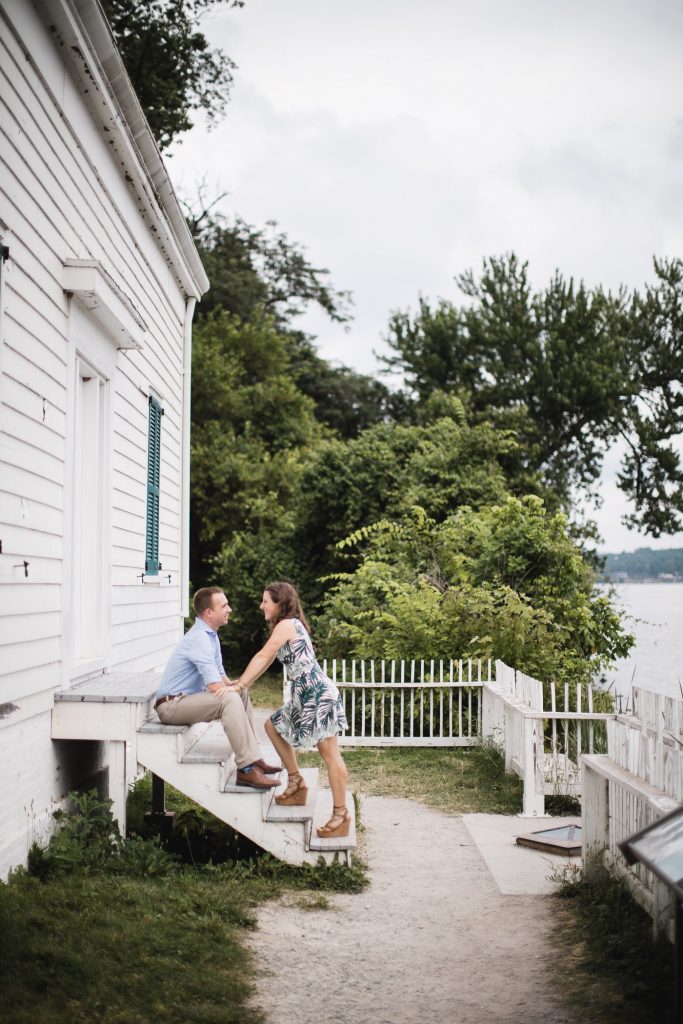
(517, 870)
(437, 938)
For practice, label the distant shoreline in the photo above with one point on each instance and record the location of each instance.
(644, 566)
(640, 579)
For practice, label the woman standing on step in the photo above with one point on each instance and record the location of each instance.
(313, 712)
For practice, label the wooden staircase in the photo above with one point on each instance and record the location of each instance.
(198, 761)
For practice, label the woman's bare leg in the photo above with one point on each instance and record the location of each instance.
(286, 752)
(336, 769)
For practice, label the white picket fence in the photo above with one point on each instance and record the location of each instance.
(419, 703)
(451, 702)
(639, 780)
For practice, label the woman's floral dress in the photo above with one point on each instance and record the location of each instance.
(313, 708)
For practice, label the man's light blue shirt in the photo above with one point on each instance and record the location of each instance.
(195, 663)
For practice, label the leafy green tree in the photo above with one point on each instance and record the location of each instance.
(261, 271)
(251, 427)
(652, 472)
(346, 401)
(345, 486)
(505, 581)
(170, 63)
(570, 370)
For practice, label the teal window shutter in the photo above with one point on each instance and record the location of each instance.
(153, 475)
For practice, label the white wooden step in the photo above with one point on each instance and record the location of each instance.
(274, 812)
(200, 782)
(286, 832)
(188, 735)
(229, 775)
(321, 814)
(212, 746)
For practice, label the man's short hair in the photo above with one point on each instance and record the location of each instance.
(203, 599)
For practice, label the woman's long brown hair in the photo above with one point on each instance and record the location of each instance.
(288, 603)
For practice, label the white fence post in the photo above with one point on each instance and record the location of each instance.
(533, 803)
(594, 817)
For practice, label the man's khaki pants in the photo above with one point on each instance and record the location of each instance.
(234, 711)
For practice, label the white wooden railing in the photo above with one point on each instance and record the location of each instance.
(541, 744)
(420, 703)
(459, 702)
(639, 780)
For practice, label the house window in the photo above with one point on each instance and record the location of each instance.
(152, 564)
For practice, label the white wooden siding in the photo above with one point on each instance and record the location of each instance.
(63, 196)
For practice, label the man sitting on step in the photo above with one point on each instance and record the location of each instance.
(194, 688)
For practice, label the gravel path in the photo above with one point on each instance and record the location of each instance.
(430, 941)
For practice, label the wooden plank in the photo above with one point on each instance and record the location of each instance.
(130, 506)
(23, 543)
(50, 154)
(145, 604)
(30, 514)
(29, 368)
(40, 572)
(630, 783)
(38, 599)
(19, 453)
(28, 628)
(127, 650)
(36, 436)
(24, 683)
(114, 688)
(136, 600)
(40, 654)
(143, 628)
(128, 523)
(25, 324)
(407, 741)
(22, 482)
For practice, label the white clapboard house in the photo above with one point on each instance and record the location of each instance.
(99, 277)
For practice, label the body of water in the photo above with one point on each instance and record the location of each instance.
(655, 617)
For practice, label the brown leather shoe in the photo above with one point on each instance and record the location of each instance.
(267, 769)
(255, 779)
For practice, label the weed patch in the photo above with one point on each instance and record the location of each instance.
(613, 972)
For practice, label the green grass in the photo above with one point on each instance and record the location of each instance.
(612, 970)
(120, 933)
(267, 691)
(123, 951)
(459, 780)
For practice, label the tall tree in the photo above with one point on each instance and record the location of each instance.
(504, 581)
(173, 69)
(570, 369)
(258, 272)
(346, 486)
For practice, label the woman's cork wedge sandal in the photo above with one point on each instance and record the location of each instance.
(338, 826)
(295, 794)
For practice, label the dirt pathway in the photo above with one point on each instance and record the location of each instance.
(431, 941)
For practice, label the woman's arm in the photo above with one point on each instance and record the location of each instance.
(284, 631)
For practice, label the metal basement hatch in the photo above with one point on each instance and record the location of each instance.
(565, 839)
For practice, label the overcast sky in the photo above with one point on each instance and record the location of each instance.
(402, 142)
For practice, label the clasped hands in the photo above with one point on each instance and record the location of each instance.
(231, 685)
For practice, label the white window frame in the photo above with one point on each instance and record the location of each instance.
(4, 241)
